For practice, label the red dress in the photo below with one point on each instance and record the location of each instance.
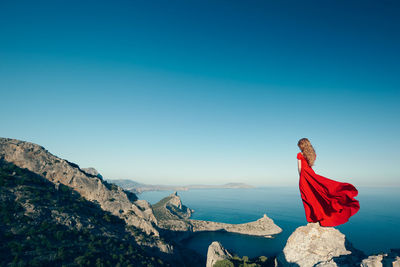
(326, 201)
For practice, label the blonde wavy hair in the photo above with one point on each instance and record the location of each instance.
(308, 151)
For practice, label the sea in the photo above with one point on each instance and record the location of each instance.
(374, 229)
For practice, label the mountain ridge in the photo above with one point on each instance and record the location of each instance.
(110, 197)
(137, 187)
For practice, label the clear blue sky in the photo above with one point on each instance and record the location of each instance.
(182, 92)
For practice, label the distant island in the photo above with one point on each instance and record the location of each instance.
(138, 188)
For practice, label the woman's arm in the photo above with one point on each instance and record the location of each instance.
(299, 165)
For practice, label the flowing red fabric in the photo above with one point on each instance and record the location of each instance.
(326, 201)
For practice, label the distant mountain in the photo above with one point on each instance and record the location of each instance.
(138, 188)
(226, 186)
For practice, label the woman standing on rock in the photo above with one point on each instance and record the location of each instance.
(326, 201)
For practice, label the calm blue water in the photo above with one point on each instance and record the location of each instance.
(375, 228)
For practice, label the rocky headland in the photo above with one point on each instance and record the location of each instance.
(172, 215)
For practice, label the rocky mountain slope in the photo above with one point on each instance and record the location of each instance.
(46, 224)
(112, 198)
(139, 225)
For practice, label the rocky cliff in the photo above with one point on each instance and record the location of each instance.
(110, 197)
(43, 224)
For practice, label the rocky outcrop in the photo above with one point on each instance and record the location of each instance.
(373, 261)
(175, 206)
(172, 215)
(313, 245)
(110, 197)
(391, 259)
(216, 253)
(262, 227)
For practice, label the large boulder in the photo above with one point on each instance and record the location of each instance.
(216, 253)
(313, 245)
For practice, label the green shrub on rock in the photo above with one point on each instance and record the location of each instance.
(224, 263)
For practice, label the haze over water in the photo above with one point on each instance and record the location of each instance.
(375, 228)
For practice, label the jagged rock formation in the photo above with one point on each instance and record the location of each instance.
(110, 197)
(172, 215)
(171, 208)
(216, 253)
(313, 245)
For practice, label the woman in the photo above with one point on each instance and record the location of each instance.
(325, 201)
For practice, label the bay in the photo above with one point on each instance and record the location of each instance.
(374, 229)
